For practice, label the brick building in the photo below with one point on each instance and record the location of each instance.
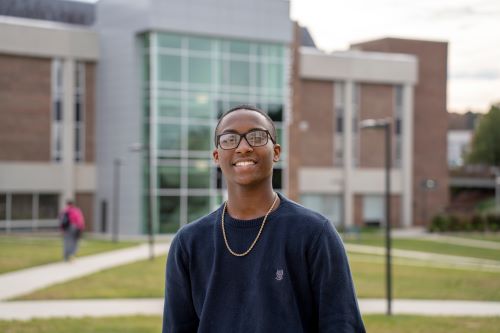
(338, 168)
(165, 72)
(47, 111)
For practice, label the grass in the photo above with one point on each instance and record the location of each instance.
(487, 236)
(420, 282)
(420, 324)
(146, 279)
(137, 324)
(150, 324)
(141, 279)
(20, 252)
(426, 246)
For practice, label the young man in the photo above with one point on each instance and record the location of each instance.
(259, 263)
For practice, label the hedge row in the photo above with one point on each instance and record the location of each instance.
(460, 223)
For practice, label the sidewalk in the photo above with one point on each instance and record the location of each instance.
(28, 280)
(26, 310)
(444, 260)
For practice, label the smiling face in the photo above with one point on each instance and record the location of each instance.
(246, 165)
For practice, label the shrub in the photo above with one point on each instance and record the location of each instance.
(493, 222)
(439, 223)
(478, 223)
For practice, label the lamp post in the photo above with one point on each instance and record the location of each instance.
(116, 198)
(137, 147)
(386, 125)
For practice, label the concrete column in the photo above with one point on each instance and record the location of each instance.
(348, 155)
(407, 156)
(68, 136)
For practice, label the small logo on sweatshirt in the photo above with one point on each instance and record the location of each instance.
(279, 275)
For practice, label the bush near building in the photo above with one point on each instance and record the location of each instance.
(476, 222)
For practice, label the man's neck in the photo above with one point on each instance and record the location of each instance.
(247, 204)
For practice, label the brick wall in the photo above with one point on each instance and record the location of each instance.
(25, 108)
(86, 203)
(376, 103)
(430, 119)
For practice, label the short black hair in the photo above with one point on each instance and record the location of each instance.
(249, 108)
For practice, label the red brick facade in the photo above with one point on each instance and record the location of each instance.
(25, 109)
(430, 120)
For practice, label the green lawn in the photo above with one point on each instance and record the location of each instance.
(421, 282)
(426, 246)
(146, 279)
(136, 280)
(150, 324)
(20, 252)
(490, 236)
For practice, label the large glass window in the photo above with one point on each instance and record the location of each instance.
(3, 206)
(199, 175)
(199, 78)
(198, 206)
(200, 70)
(373, 209)
(169, 68)
(169, 209)
(169, 136)
(199, 137)
(57, 109)
(169, 177)
(330, 205)
(169, 106)
(48, 206)
(240, 73)
(22, 206)
(199, 105)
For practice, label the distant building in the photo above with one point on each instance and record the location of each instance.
(47, 126)
(145, 84)
(339, 169)
(460, 133)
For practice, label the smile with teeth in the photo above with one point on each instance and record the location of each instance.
(244, 163)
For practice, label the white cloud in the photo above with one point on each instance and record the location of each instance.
(470, 26)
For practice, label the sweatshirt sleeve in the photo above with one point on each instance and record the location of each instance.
(179, 315)
(332, 285)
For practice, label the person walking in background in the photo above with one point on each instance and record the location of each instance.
(72, 225)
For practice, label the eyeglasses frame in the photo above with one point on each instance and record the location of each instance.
(244, 136)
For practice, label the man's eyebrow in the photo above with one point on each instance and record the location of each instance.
(230, 130)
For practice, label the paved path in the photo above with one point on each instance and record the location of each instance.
(28, 280)
(483, 244)
(444, 259)
(25, 310)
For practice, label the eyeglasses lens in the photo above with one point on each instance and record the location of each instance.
(232, 140)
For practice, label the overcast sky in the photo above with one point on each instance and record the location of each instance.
(471, 27)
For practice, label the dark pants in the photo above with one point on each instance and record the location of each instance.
(71, 237)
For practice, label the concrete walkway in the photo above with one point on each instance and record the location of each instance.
(28, 280)
(437, 259)
(26, 310)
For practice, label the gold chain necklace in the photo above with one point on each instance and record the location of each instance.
(256, 238)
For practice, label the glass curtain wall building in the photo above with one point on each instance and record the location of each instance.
(188, 82)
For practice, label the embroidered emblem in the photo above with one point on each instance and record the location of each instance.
(279, 275)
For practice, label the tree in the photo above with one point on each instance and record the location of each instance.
(485, 148)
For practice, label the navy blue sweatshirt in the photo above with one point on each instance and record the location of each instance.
(296, 278)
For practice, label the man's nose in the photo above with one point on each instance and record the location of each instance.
(244, 146)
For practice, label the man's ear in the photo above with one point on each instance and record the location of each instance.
(215, 155)
(277, 152)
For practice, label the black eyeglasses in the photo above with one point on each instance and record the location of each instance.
(255, 138)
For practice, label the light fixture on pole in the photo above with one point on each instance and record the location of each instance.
(386, 125)
(137, 147)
